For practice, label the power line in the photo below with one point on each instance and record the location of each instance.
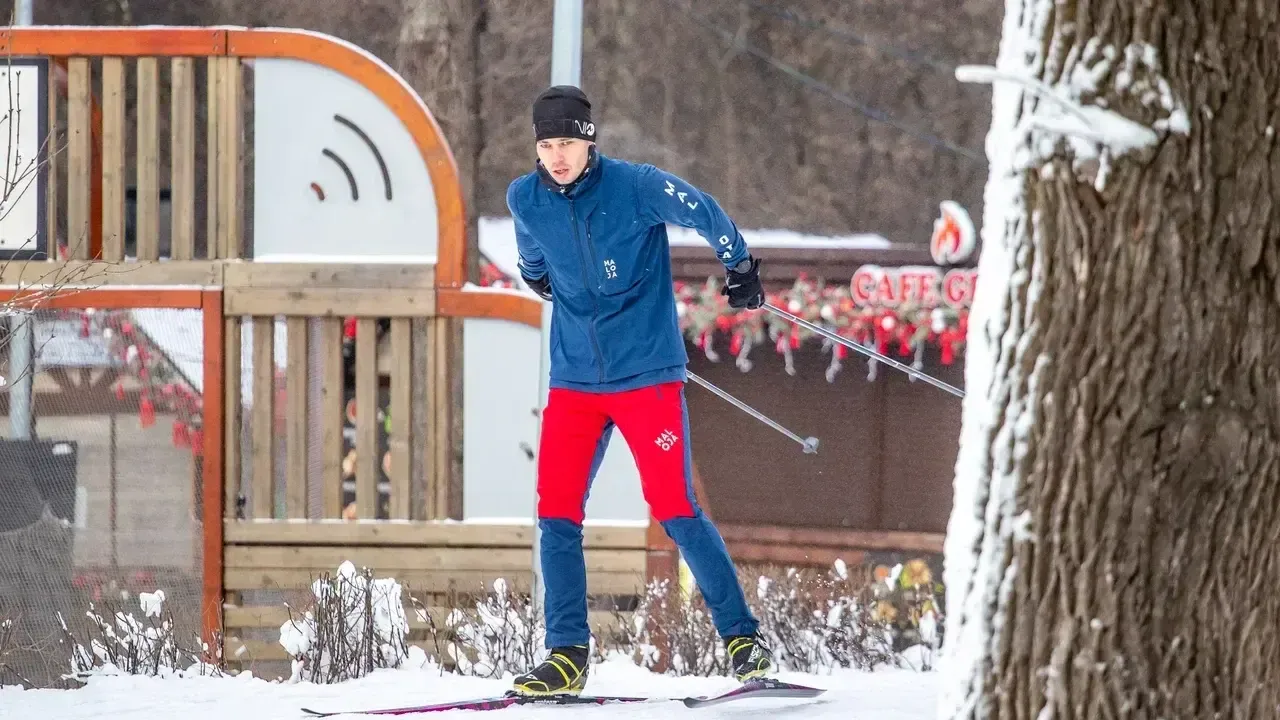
(909, 56)
(842, 98)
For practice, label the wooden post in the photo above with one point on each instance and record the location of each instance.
(212, 491)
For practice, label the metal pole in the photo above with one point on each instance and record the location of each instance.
(22, 346)
(22, 342)
(566, 43)
(865, 351)
(113, 442)
(566, 69)
(810, 444)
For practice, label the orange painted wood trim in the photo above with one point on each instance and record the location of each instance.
(212, 479)
(358, 64)
(495, 304)
(101, 298)
(401, 99)
(80, 41)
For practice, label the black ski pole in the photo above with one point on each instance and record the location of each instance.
(865, 351)
(810, 444)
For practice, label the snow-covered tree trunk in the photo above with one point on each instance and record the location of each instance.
(1114, 550)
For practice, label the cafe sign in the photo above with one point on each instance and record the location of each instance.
(952, 243)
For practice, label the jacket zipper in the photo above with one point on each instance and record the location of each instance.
(586, 281)
(595, 261)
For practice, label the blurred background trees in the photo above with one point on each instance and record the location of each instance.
(820, 116)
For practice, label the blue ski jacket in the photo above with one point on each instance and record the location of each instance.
(604, 242)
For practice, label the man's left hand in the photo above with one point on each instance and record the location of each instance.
(541, 286)
(742, 285)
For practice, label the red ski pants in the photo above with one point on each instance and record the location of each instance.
(653, 420)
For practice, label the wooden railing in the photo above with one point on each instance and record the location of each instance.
(102, 153)
(313, 300)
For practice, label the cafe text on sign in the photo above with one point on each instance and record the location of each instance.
(913, 286)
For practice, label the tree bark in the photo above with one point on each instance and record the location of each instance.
(438, 54)
(1114, 549)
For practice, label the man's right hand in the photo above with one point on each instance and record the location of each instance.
(742, 285)
(541, 286)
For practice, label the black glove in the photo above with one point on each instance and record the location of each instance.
(742, 285)
(542, 285)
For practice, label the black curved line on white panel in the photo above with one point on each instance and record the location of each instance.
(351, 178)
(382, 165)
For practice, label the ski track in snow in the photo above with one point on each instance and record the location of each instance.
(882, 695)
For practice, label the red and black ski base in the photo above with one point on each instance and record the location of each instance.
(766, 688)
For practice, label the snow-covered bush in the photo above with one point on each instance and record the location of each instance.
(667, 626)
(499, 635)
(119, 643)
(355, 625)
(816, 621)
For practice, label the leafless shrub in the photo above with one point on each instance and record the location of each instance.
(120, 643)
(354, 625)
(815, 621)
(8, 647)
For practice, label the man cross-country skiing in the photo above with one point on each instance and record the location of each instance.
(592, 237)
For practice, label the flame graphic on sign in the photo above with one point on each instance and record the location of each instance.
(953, 239)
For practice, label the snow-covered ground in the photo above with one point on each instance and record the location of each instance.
(881, 695)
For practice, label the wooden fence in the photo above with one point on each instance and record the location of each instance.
(313, 300)
(100, 155)
(441, 564)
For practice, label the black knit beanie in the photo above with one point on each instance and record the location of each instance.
(563, 111)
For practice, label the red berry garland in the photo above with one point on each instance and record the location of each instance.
(705, 317)
(906, 331)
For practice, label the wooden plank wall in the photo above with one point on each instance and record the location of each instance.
(430, 558)
(440, 564)
(303, 294)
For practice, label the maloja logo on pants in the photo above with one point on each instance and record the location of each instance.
(666, 440)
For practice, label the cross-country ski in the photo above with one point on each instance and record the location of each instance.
(766, 688)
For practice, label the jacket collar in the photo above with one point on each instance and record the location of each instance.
(589, 178)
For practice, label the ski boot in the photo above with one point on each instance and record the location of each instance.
(564, 672)
(750, 656)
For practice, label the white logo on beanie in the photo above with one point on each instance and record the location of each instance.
(588, 129)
